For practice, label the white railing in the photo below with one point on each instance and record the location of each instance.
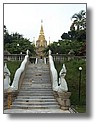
(62, 87)
(14, 57)
(67, 57)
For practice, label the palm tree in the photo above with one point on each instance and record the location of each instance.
(79, 20)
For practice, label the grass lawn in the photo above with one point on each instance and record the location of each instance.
(13, 66)
(81, 108)
(72, 78)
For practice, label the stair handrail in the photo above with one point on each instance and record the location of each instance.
(61, 85)
(60, 90)
(19, 71)
(53, 72)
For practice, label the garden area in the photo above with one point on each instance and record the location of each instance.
(72, 79)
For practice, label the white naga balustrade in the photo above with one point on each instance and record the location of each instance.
(63, 84)
(62, 87)
(53, 73)
(19, 72)
(11, 92)
(6, 77)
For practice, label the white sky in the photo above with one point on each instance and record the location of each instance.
(26, 19)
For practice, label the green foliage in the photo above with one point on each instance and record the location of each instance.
(15, 43)
(13, 66)
(65, 46)
(72, 78)
(77, 34)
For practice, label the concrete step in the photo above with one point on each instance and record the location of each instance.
(44, 75)
(32, 81)
(35, 91)
(42, 69)
(37, 86)
(35, 107)
(36, 80)
(25, 111)
(34, 103)
(35, 97)
(37, 83)
(35, 94)
(35, 100)
(37, 73)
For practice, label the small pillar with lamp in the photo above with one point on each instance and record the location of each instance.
(80, 69)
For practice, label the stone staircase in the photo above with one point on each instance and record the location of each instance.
(36, 93)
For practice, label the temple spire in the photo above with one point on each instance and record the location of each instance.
(41, 43)
(41, 30)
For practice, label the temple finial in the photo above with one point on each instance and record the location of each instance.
(41, 21)
(49, 40)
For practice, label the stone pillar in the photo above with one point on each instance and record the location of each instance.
(63, 99)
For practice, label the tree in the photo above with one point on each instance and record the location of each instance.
(75, 39)
(15, 43)
(81, 36)
(65, 36)
(5, 30)
(7, 37)
(79, 20)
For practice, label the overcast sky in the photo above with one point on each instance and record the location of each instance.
(26, 19)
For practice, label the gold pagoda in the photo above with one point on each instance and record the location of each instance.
(41, 43)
